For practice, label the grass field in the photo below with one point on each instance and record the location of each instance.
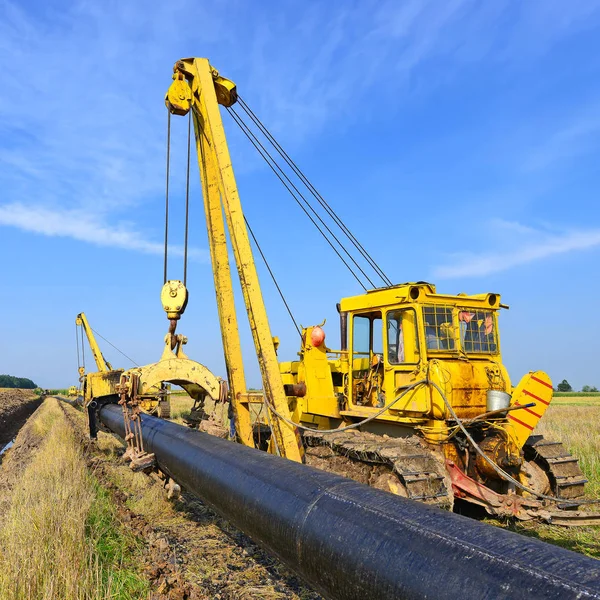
(577, 394)
(60, 538)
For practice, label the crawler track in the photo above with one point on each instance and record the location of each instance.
(401, 465)
(566, 478)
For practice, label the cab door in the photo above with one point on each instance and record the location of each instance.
(402, 363)
(366, 360)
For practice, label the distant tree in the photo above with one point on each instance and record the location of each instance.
(564, 386)
(9, 381)
(586, 388)
(593, 389)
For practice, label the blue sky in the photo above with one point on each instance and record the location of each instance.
(459, 140)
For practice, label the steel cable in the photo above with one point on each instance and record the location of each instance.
(503, 474)
(315, 192)
(275, 168)
(187, 200)
(117, 349)
(273, 278)
(167, 193)
(77, 341)
(82, 350)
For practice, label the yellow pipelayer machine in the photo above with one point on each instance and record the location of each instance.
(414, 400)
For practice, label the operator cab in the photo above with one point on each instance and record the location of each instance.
(410, 322)
(400, 334)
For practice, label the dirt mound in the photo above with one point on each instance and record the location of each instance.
(15, 407)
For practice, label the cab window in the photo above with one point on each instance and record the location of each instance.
(402, 339)
(367, 334)
(439, 329)
(477, 331)
(360, 335)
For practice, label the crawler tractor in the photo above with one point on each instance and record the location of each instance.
(418, 402)
(416, 399)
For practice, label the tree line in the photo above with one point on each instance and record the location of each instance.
(9, 381)
(565, 386)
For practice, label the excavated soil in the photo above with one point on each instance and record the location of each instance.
(15, 407)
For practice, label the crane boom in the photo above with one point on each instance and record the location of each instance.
(102, 364)
(198, 87)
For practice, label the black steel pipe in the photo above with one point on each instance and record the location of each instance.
(350, 541)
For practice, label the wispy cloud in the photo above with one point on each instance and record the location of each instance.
(84, 226)
(576, 136)
(82, 123)
(527, 245)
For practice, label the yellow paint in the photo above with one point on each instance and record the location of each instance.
(206, 91)
(535, 388)
(416, 336)
(101, 362)
(374, 380)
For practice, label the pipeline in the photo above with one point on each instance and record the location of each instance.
(350, 541)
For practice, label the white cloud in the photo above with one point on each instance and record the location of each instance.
(82, 122)
(84, 226)
(527, 245)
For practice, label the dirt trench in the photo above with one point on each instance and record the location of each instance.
(16, 406)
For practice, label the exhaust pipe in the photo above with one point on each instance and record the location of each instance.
(353, 542)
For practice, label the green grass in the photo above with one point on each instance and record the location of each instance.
(575, 394)
(56, 392)
(576, 400)
(114, 549)
(60, 538)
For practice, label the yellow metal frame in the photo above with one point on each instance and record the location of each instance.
(334, 381)
(464, 378)
(102, 364)
(205, 90)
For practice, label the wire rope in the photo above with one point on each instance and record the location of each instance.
(77, 341)
(82, 350)
(167, 194)
(326, 206)
(187, 200)
(503, 474)
(264, 155)
(273, 277)
(117, 349)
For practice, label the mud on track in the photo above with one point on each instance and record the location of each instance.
(15, 407)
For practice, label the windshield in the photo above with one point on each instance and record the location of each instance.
(477, 330)
(449, 328)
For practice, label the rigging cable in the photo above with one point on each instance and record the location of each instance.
(187, 201)
(273, 277)
(82, 349)
(330, 211)
(77, 341)
(167, 193)
(274, 167)
(262, 366)
(117, 349)
(503, 474)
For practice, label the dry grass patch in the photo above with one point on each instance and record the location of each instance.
(578, 428)
(574, 421)
(59, 539)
